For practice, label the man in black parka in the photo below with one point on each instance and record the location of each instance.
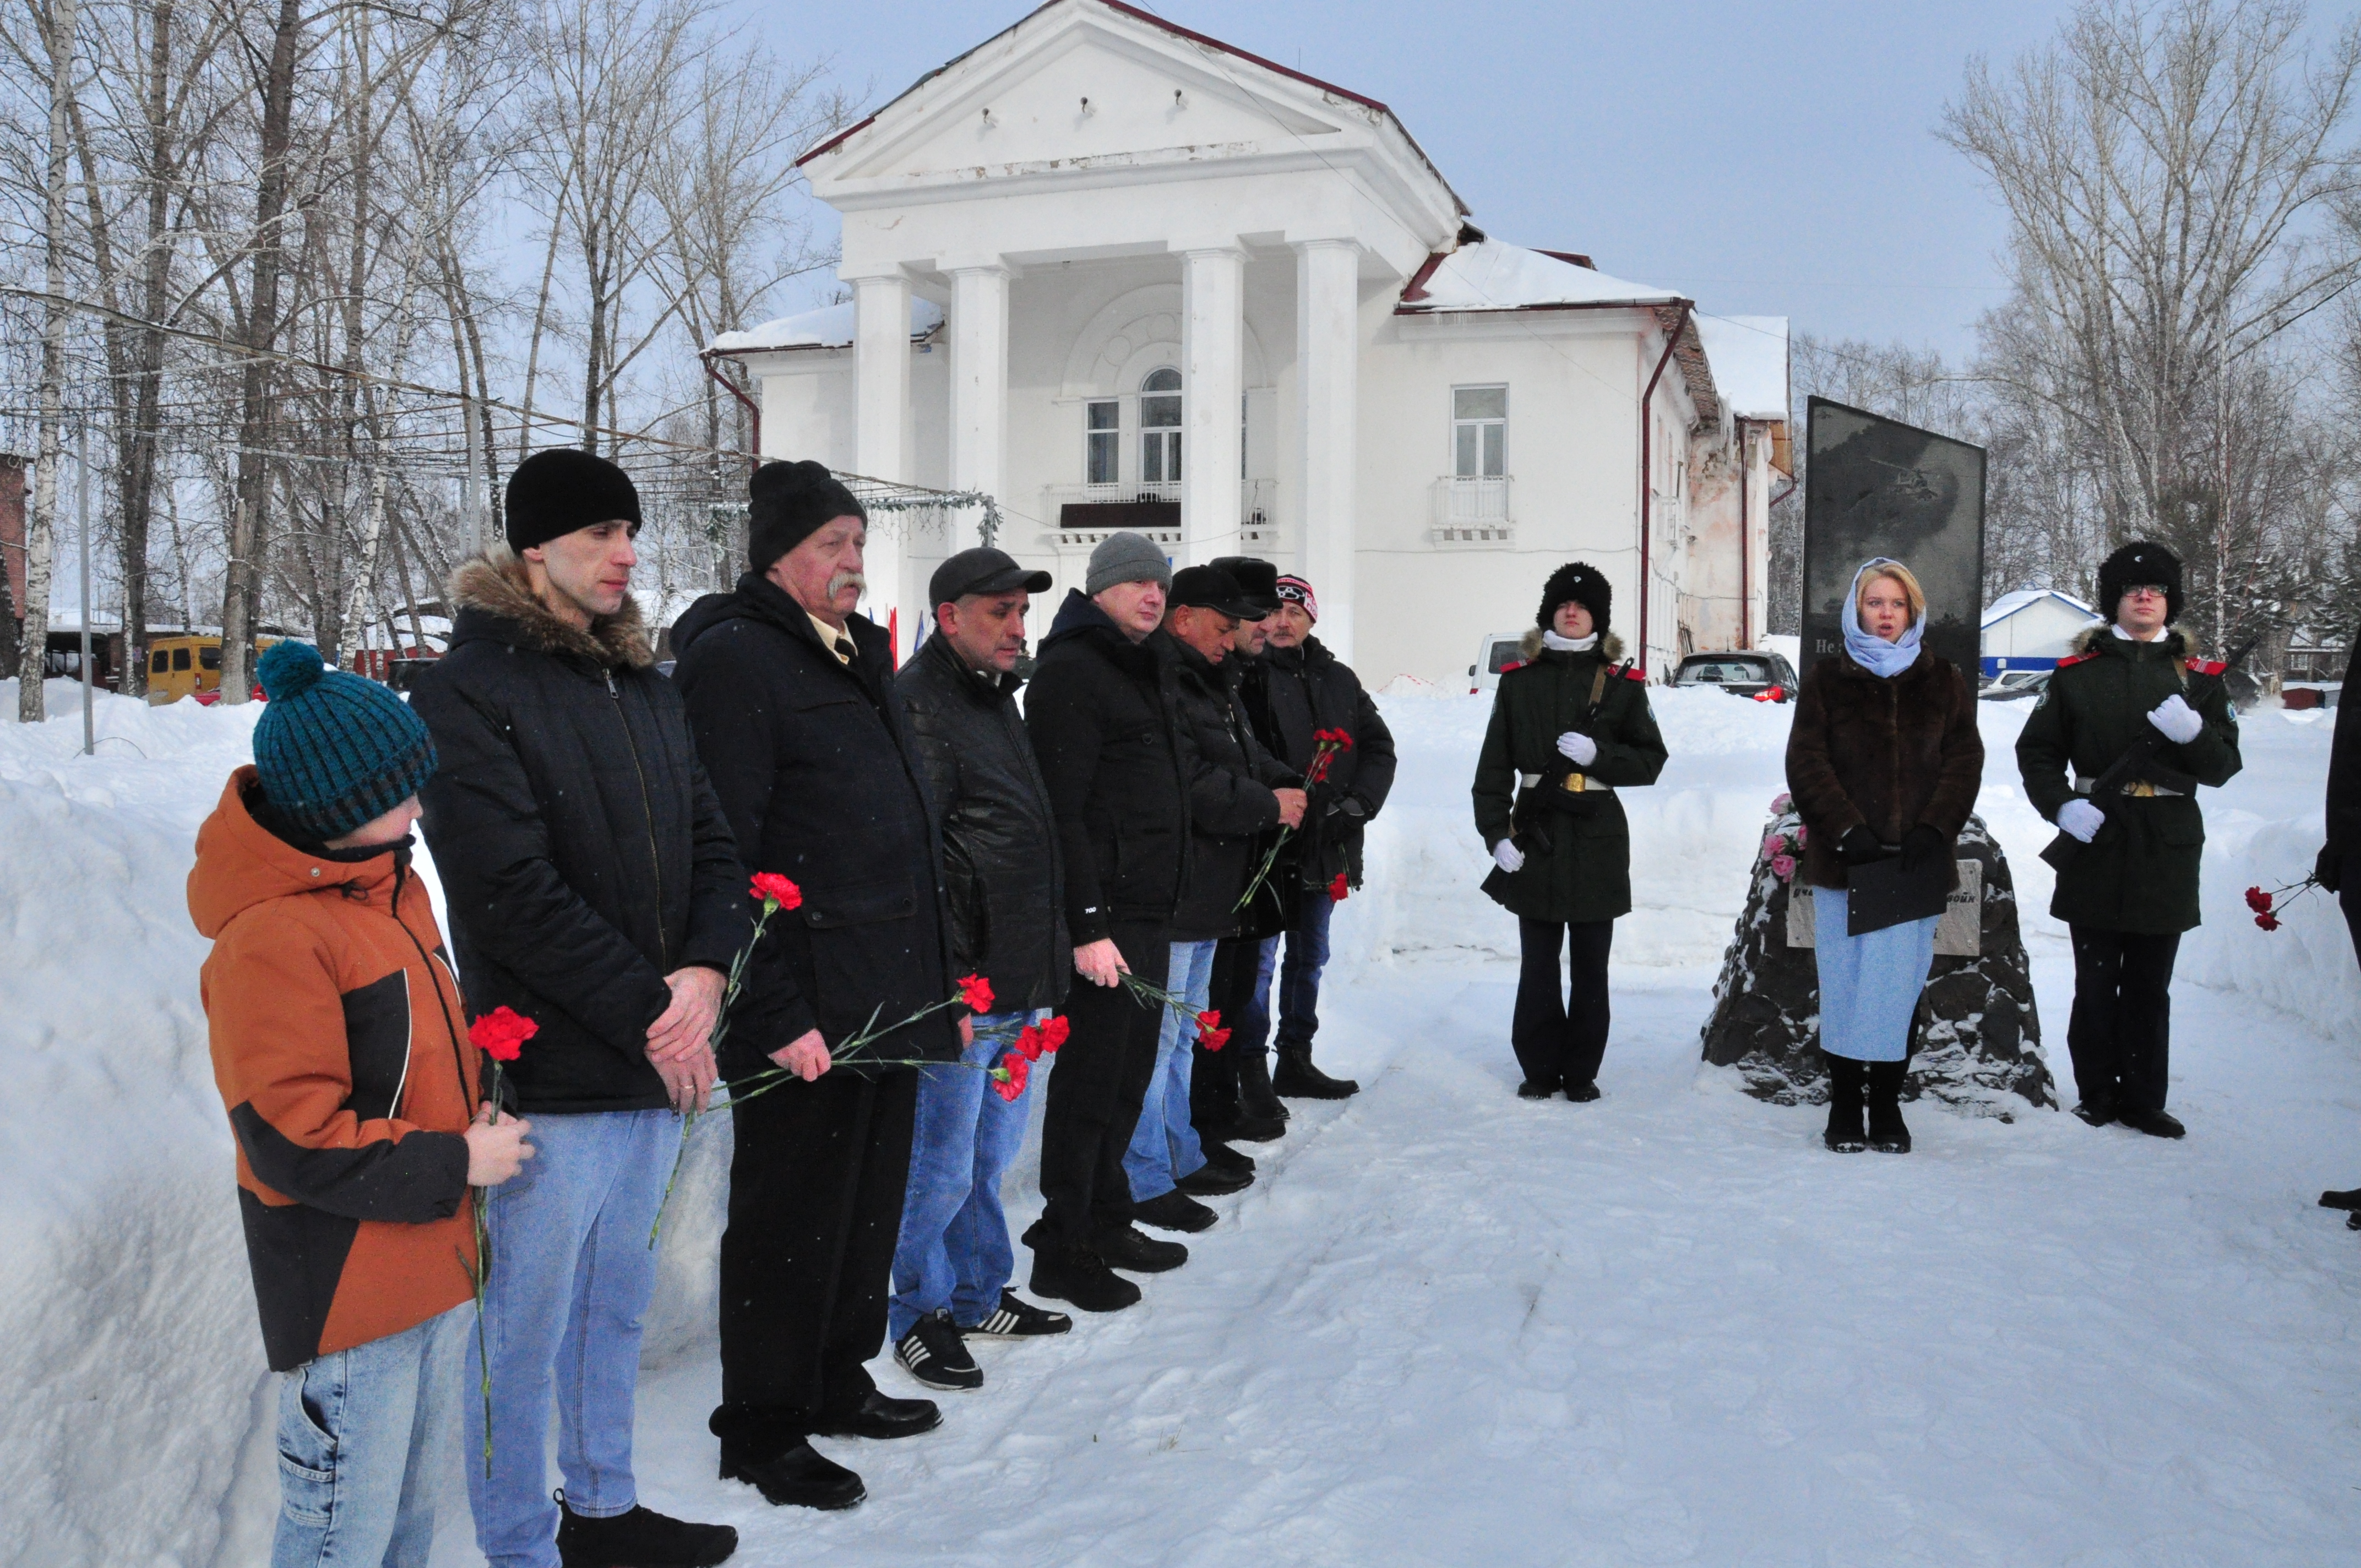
(790, 694)
(1101, 717)
(593, 887)
(2339, 866)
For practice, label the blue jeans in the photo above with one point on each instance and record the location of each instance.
(1299, 978)
(954, 1250)
(570, 1278)
(1164, 1145)
(358, 1437)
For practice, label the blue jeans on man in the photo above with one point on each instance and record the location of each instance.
(571, 1272)
(954, 1250)
(1298, 975)
(1164, 1145)
(359, 1434)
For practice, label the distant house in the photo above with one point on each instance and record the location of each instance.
(2032, 629)
(1115, 274)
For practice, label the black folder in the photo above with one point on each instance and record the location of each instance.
(1880, 893)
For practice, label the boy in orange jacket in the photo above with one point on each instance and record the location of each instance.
(340, 1047)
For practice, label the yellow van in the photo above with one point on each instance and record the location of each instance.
(189, 667)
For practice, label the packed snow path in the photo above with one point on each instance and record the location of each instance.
(1449, 1326)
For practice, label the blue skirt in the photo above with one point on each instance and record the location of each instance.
(1869, 984)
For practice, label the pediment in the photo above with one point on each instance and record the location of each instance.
(1084, 89)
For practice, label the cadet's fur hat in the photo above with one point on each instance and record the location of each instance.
(1586, 586)
(2137, 562)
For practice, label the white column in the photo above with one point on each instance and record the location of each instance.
(1213, 325)
(978, 378)
(881, 351)
(1327, 391)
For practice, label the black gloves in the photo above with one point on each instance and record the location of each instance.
(1859, 846)
(1921, 848)
(1348, 806)
(2327, 870)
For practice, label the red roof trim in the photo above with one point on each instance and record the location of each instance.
(1416, 288)
(1572, 257)
(835, 141)
(1674, 303)
(1181, 32)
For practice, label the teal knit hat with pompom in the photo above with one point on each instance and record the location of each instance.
(334, 750)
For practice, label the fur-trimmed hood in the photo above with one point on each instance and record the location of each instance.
(1529, 648)
(495, 583)
(2177, 643)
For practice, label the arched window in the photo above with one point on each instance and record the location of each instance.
(1160, 427)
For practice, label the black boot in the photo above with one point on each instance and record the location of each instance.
(1845, 1134)
(799, 1476)
(1078, 1274)
(1126, 1247)
(1210, 1180)
(2349, 1201)
(641, 1539)
(1256, 1100)
(1221, 1156)
(1299, 1079)
(1887, 1134)
(1174, 1211)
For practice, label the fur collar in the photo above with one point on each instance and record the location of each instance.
(495, 583)
(2177, 641)
(1610, 647)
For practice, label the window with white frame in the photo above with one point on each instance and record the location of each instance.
(1479, 432)
(1102, 441)
(1160, 427)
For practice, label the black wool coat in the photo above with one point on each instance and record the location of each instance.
(815, 766)
(1230, 806)
(1308, 689)
(1002, 877)
(583, 853)
(1101, 712)
(2345, 762)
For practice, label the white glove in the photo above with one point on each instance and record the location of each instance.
(2179, 722)
(2081, 819)
(1577, 748)
(1508, 857)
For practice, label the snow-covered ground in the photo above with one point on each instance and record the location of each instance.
(1446, 1326)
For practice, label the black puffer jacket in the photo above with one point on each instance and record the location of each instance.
(1109, 743)
(819, 776)
(1230, 806)
(583, 854)
(1306, 689)
(1001, 877)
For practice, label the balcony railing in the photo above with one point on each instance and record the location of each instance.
(1152, 509)
(1472, 512)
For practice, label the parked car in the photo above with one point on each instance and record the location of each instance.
(2014, 684)
(1749, 671)
(1496, 651)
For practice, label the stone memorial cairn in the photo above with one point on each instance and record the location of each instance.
(1976, 1042)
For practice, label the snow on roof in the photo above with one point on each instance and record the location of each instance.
(1748, 356)
(2016, 600)
(1489, 275)
(830, 326)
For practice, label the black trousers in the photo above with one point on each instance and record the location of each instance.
(2120, 1033)
(1561, 1034)
(1213, 1075)
(2349, 897)
(816, 1186)
(1095, 1093)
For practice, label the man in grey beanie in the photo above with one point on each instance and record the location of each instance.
(1107, 735)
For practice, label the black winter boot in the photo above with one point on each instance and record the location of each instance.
(1174, 1211)
(1845, 1134)
(1257, 1102)
(1299, 1079)
(1210, 1180)
(640, 1539)
(2349, 1201)
(797, 1476)
(1221, 1156)
(1079, 1275)
(1887, 1134)
(1127, 1248)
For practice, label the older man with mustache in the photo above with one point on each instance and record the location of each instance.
(791, 699)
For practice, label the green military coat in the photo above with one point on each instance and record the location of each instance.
(2140, 874)
(1585, 873)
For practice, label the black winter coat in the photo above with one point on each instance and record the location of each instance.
(2345, 762)
(1306, 689)
(1230, 806)
(1100, 715)
(1001, 875)
(817, 768)
(583, 853)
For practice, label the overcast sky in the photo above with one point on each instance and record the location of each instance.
(1764, 158)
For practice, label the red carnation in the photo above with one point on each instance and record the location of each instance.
(1008, 1078)
(1053, 1035)
(1336, 889)
(776, 891)
(1210, 1033)
(2258, 901)
(1028, 1043)
(2267, 921)
(976, 991)
(502, 1032)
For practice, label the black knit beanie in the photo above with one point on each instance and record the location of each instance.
(563, 488)
(1586, 586)
(2139, 561)
(786, 503)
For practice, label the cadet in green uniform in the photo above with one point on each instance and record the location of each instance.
(1570, 726)
(2127, 883)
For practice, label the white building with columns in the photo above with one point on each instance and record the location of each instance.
(1115, 274)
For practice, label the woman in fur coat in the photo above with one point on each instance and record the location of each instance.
(1884, 760)
(1570, 726)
